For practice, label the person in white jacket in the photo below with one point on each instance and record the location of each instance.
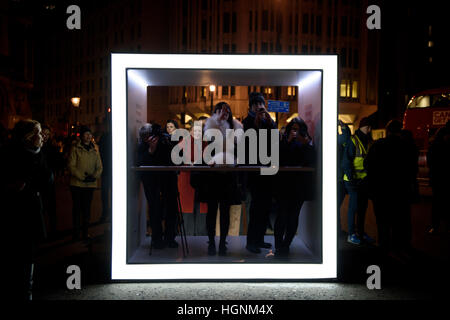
(222, 185)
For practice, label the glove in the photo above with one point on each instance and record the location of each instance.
(89, 178)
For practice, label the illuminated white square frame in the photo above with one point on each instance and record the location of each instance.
(202, 271)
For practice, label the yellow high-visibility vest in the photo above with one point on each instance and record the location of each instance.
(358, 162)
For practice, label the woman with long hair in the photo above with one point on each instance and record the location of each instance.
(222, 185)
(296, 149)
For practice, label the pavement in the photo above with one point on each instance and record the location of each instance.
(423, 276)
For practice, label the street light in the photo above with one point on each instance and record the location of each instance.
(76, 104)
(75, 101)
(212, 88)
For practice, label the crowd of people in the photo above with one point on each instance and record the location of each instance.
(30, 161)
(385, 171)
(219, 189)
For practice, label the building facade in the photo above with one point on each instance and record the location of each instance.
(78, 61)
(16, 63)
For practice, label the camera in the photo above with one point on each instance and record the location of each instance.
(157, 131)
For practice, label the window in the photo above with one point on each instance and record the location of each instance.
(319, 25)
(279, 47)
(296, 24)
(233, 91)
(355, 90)
(357, 26)
(356, 59)
(226, 48)
(343, 57)
(349, 89)
(264, 47)
(335, 25)
(226, 22)
(350, 61)
(344, 85)
(290, 24)
(203, 92)
(249, 48)
(233, 47)
(250, 20)
(305, 23)
(272, 21)
(203, 29)
(344, 26)
(279, 22)
(233, 22)
(304, 48)
(265, 20)
(329, 27)
(184, 36)
(290, 91)
(312, 23)
(224, 91)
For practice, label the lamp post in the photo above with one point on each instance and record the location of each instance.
(212, 88)
(76, 104)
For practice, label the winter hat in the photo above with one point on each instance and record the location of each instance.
(364, 122)
(84, 129)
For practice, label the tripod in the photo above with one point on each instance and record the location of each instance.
(180, 228)
(184, 244)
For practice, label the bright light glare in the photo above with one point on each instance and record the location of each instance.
(119, 65)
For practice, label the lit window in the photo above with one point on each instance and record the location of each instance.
(355, 89)
(343, 88)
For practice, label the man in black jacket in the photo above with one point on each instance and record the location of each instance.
(391, 171)
(260, 185)
(160, 188)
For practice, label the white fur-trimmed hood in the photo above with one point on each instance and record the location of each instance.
(222, 125)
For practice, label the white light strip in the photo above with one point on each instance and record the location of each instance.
(122, 270)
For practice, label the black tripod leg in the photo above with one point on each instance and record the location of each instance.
(181, 226)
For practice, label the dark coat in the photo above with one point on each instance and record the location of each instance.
(298, 185)
(438, 160)
(25, 175)
(391, 169)
(161, 157)
(343, 140)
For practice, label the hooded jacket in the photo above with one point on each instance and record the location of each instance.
(83, 162)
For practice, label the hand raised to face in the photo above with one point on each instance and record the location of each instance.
(152, 143)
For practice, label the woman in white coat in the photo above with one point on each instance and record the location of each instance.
(223, 186)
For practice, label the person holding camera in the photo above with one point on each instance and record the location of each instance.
(296, 149)
(260, 186)
(160, 188)
(85, 166)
